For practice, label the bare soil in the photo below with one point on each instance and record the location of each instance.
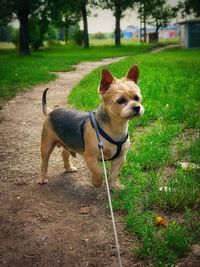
(48, 225)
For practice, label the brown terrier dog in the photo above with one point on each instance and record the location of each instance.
(75, 132)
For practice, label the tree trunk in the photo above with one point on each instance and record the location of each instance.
(24, 49)
(85, 26)
(118, 14)
(140, 30)
(145, 29)
(66, 29)
(157, 29)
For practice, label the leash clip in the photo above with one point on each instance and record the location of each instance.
(100, 145)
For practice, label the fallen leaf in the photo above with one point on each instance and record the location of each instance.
(161, 221)
(85, 210)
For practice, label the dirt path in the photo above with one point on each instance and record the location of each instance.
(159, 49)
(42, 225)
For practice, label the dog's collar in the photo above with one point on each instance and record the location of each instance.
(99, 131)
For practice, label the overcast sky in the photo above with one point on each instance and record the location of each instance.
(105, 22)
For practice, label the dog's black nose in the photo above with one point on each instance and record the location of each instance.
(136, 109)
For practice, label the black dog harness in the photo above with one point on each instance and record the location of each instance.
(99, 131)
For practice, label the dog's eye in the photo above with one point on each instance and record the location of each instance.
(121, 101)
(136, 98)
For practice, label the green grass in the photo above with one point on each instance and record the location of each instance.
(19, 73)
(170, 83)
(110, 41)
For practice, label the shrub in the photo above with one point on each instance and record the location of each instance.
(36, 38)
(7, 33)
(71, 31)
(15, 38)
(99, 35)
(78, 37)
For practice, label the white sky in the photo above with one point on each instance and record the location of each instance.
(105, 21)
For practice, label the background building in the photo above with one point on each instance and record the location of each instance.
(190, 33)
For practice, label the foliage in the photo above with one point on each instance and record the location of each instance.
(37, 14)
(82, 6)
(161, 14)
(15, 39)
(99, 35)
(64, 14)
(118, 8)
(51, 34)
(156, 13)
(7, 33)
(190, 6)
(21, 9)
(78, 37)
(72, 30)
(38, 26)
(155, 185)
(111, 4)
(144, 8)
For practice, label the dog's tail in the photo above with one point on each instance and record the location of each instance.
(45, 108)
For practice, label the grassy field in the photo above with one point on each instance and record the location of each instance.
(167, 134)
(19, 73)
(97, 42)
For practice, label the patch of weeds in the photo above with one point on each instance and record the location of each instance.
(194, 152)
(181, 145)
(181, 191)
(161, 245)
(151, 150)
(165, 245)
(191, 220)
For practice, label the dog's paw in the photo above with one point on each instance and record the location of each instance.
(71, 169)
(97, 182)
(117, 186)
(42, 180)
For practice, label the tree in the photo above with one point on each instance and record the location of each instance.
(38, 25)
(83, 7)
(118, 7)
(145, 7)
(160, 14)
(190, 6)
(69, 12)
(64, 14)
(20, 9)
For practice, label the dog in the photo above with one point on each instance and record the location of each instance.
(74, 131)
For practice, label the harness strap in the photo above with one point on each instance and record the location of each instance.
(100, 131)
(95, 126)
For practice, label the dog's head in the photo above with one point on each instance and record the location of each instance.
(121, 97)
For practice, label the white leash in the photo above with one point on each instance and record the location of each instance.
(111, 210)
(100, 145)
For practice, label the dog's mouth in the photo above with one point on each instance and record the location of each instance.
(133, 115)
(133, 112)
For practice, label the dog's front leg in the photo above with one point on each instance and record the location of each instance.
(92, 164)
(115, 168)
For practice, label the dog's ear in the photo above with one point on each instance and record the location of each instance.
(133, 73)
(106, 81)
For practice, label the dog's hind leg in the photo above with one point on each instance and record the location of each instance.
(67, 164)
(47, 146)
